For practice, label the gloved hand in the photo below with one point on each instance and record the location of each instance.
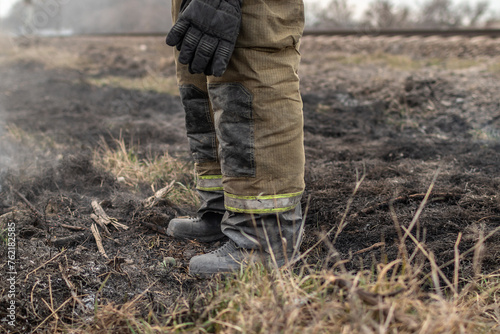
(206, 34)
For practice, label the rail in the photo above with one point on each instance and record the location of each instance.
(493, 33)
(371, 32)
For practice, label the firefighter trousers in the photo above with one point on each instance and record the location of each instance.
(245, 129)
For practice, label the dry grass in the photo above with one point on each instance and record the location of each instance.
(257, 300)
(453, 63)
(132, 170)
(495, 67)
(38, 142)
(150, 82)
(400, 62)
(404, 62)
(394, 297)
(51, 57)
(123, 161)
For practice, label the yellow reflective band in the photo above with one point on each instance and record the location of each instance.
(264, 197)
(262, 204)
(210, 189)
(209, 183)
(210, 177)
(260, 211)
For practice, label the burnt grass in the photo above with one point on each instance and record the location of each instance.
(396, 127)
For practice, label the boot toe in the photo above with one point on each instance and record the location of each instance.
(194, 228)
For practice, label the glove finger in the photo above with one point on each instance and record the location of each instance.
(189, 45)
(204, 53)
(175, 35)
(221, 58)
(209, 69)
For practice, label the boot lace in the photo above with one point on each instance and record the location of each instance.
(228, 248)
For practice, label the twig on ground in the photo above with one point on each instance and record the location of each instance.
(98, 240)
(378, 244)
(53, 314)
(457, 263)
(99, 211)
(159, 196)
(436, 270)
(31, 298)
(101, 223)
(71, 287)
(478, 254)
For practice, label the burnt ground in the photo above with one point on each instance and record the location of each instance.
(397, 112)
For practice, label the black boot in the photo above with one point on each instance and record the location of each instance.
(206, 227)
(267, 238)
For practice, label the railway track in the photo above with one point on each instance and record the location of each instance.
(493, 33)
(371, 32)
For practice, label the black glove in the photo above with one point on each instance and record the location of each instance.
(206, 34)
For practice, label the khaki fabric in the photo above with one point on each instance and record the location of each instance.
(256, 110)
(208, 169)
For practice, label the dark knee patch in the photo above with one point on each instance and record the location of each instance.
(199, 124)
(233, 115)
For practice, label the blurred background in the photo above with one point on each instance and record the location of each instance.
(65, 17)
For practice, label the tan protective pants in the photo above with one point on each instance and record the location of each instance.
(245, 128)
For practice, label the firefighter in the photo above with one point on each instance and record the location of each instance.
(237, 64)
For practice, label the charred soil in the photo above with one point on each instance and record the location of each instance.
(377, 111)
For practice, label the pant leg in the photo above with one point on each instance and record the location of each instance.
(258, 111)
(259, 124)
(200, 132)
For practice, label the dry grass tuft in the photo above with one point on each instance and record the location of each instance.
(132, 170)
(112, 318)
